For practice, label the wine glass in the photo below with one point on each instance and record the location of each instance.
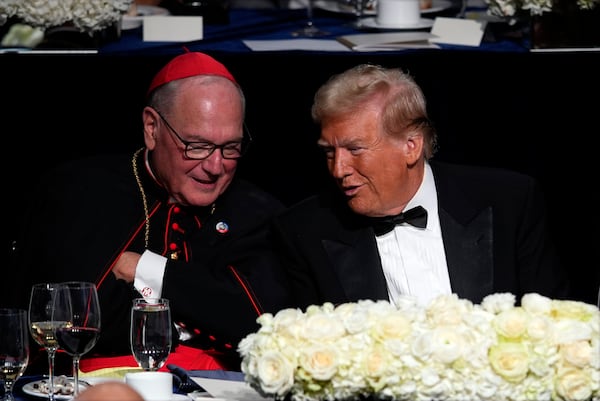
(151, 332)
(41, 326)
(14, 348)
(76, 321)
(359, 7)
(359, 11)
(309, 28)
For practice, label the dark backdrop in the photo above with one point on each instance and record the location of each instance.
(531, 112)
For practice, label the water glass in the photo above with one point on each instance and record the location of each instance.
(151, 332)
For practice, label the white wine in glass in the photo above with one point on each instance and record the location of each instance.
(76, 319)
(151, 332)
(41, 326)
(14, 348)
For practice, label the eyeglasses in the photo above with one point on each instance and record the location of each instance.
(200, 150)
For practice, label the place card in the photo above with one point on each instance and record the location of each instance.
(458, 31)
(179, 28)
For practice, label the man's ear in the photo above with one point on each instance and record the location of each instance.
(413, 149)
(150, 126)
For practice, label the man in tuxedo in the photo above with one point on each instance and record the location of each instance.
(467, 230)
(170, 220)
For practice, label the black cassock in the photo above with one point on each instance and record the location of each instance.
(221, 272)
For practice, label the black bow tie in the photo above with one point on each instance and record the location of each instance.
(417, 216)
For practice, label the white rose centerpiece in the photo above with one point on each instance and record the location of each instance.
(86, 15)
(510, 8)
(542, 350)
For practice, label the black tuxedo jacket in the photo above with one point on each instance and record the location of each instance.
(87, 213)
(493, 228)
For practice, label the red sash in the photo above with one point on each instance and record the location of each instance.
(185, 357)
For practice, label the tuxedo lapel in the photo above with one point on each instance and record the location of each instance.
(469, 254)
(467, 230)
(356, 262)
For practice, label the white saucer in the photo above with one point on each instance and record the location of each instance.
(338, 7)
(371, 22)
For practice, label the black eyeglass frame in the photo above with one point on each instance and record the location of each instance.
(210, 146)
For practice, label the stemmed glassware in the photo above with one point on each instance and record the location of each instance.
(151, 332)
(359, 7)
(359, 10)
(76, 321)
(309, 29)
(41, 326)
(14, 348)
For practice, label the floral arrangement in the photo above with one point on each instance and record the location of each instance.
(452, 349)
(86, 15)
(511, 8)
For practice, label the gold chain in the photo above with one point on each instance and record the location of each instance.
(144, 199)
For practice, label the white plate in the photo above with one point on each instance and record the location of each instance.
(135, 21)
(30, 389)
(337, 7)
(371, 22)
(34, 388)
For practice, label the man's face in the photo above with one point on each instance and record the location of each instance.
(369, 167)
(209, 113)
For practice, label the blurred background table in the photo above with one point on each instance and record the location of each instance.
(276, 24)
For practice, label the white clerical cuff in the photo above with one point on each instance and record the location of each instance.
(149, 274)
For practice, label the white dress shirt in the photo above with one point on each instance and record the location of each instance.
(413, 259)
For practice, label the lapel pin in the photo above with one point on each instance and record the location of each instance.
(222, 227)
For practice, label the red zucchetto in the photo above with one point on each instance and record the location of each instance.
(189, 64)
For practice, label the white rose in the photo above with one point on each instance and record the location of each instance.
(355, 318)
(447, 344)
(246, 344)
(376, 362)
(511, 323)
(577, 353)
(536, 304)
(285, 317)
(422, 345)
(320, 361)
(322, 326)
(510, 360)
(289, 322)
(568, 331)
(496, 303)
(392, 326)
(573, 385)
(265, 320)
(539, 328)
(447, 310)
(275, 373)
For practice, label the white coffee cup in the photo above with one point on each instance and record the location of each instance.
(153, 386)
(396, 13)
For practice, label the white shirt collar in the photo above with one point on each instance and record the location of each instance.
(426, 196)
